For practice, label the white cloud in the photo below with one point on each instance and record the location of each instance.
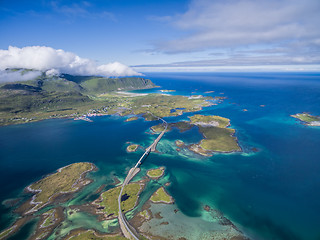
(8, 76)
(46, 58)
(232, 23)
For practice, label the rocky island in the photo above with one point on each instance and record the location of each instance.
(308, 119)
(161, 196)
(132, 147)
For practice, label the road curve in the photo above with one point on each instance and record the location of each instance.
(126, 229)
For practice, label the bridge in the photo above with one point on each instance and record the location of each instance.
(127, 230)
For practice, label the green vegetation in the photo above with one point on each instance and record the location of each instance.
(132, 147)
(6, 232)
(217, 136)
(50, 218)
(204, 120)
(219, 139)
(182, 126)
(91, 234)
(159, 128)
(308, 118)
(74, 96)
(167, 105)
(161, 196)
(156, 173)
(66, 179)
(132, 119)
(145, 214)
(97, 85)
(108, 201)
(42, 235)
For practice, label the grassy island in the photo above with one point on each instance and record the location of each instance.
(50, 217)
(217, 136)
(108, 201)
(156, 173)
(308, 119)
(61, 185)
(209, 121)
(65, 180)
(132, 148)
(161, 196)
(6, 232)
(48, 222)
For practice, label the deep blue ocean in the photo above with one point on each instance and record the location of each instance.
(273, 193)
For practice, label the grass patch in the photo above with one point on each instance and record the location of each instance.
(156, 173)
(64, 180)
(161, 105)
(161, 196)
(219, 139)
(109, 199)
(305, 117)
(222, 122)
(145, 214)
(132, 119)
(132, 147)
(50, 218)
(6, 232)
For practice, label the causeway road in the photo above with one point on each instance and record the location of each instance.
(127, 230)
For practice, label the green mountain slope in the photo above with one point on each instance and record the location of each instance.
(102, 85)
(59, 96)
(16, 98)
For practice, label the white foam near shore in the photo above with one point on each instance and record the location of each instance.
(314, 123)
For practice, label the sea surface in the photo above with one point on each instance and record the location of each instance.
(270, 191)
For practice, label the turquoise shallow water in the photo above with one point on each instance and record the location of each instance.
(271, 194)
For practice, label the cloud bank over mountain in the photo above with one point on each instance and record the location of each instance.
(59, 61)
(7, 77)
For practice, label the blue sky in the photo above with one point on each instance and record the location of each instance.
(166, 35)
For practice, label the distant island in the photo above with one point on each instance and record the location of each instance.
(308, 119)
